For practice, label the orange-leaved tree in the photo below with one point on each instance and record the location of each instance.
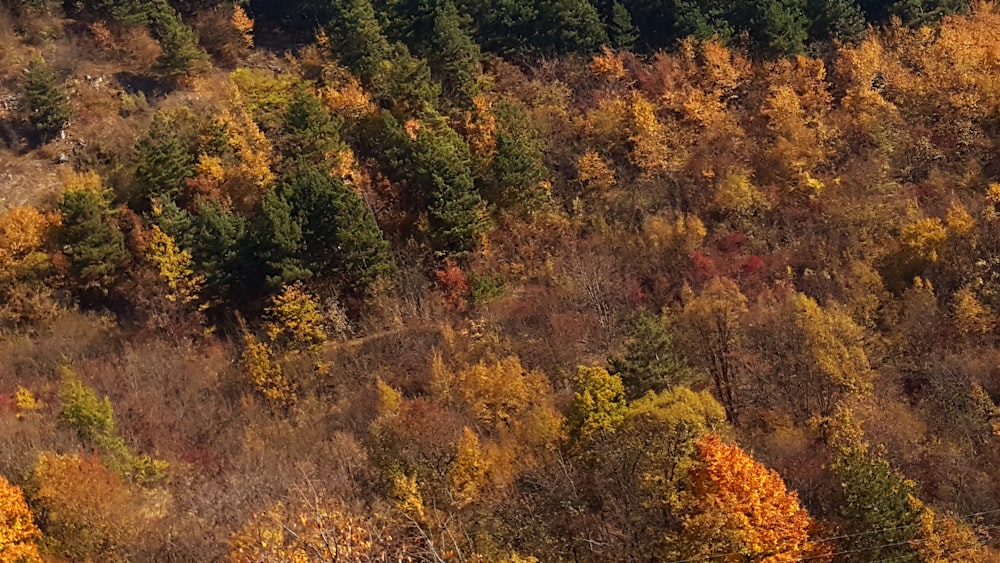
(737, 508)
(18, 532)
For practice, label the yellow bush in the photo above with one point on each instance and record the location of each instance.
(924, 238)
(736, 194)
(959, 221)
(295, 319)
(594, 171)
(608, 64)
(265, 374)
(685, 233)
(175, 267)
(243, 24)
(25, 400)
(18, 532)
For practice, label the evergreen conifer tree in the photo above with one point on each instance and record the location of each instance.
(339, 234)
(454, 57)
(622, 33)
(279, 242)
(94, 246)
(443, 174)
(404, 82)
(517, 170)
(358, 39)
(162, 161)
(651, 362)
(181, 52)
(45, 103)
(567, 26)
(311, 133)
(222, 252)
(704, 19)
(835, 19)
(779, 27)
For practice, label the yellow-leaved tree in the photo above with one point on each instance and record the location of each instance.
(654, 150)
(598, 406)
(314, 529)
(737, 507)
(243, 24)
(923, 239)
(265, 374)
(594, 171)
(23, 233)
(831, 361)
(175, 267)
(294, 319)
(18, 533)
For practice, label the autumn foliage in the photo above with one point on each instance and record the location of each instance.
(519, 281)
(19, 535)
(736, 506)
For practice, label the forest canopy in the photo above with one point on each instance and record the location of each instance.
(515, 281)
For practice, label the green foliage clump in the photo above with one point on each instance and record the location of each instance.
(162, 161)
(622, 32)
(45, 102)
(485, 288)
(651, 361)
(453, 55)
(181, 52)
(313, 224)
(517, 177)
(93, 420)
(877, 497)
(442, 173)
(312, 134)
(93, 244)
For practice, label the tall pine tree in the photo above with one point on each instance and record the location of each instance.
(454, 56)
(517, 172)
(442, 173)
(162, 162)
(94, 246)
(622, 33)
(339, 234)
(45, 103)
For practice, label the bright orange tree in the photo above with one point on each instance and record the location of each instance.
(18, 532)
(738, 510)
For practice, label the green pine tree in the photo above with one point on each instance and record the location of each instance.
(162, 161)
(876, 497)
(181, 52)
(310, 132)
(122, 12)
(703, 19)
(443, 175)
(779, 27)
(568, 26)
(357, 37)
(46, 105)
(279, 242)
(655, 20)
(622, 33)
(537, 26)
(842, 20)
(223, 252)
(340, 235)
(517, 171)
(651, 361)
(454, 56)
(93, 245)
